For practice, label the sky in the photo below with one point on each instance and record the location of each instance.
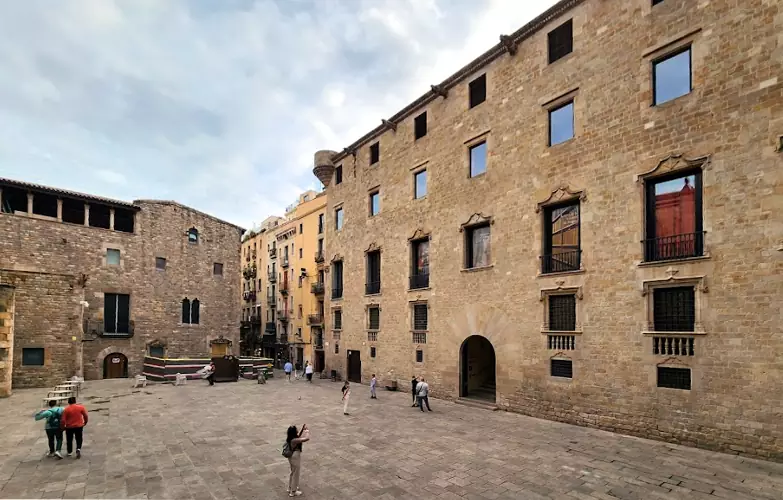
(219, 104)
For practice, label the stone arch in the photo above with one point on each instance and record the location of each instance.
(109, 350)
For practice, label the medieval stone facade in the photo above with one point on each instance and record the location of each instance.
(91, 280)
(583, 224)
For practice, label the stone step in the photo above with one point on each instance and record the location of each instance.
(474, 403)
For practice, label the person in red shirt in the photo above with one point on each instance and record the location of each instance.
(73, 420)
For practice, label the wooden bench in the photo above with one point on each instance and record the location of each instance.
(60, 401)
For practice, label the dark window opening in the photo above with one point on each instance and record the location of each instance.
(672, 76)
(419, 356)
(123, 220)
(674, 378)
(217, 270)
(420, 317)
(374, 318)
(375, 153)
(32, 356)
(45, 204)
(99, 216)
(338, 319)
(160, 263)
(336, 348)
(420, 264)
(192, 235)
(372, 352)
(656, 2)
(190, 311)
(420, 126)
(561, 41)
(562, 250)
(478, 159)
(73, 211)
(561, 123)
(674, 309)
(674, 217)
(561, 368)
(157, 352)
(301, 226)
(477, 246)
(373, 272)
(116, 313)
(337, 279)
(14, 200)
(562, 313)
(478, 91)
(338, 174)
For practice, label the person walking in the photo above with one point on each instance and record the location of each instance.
(288, 368)
(373, 383)
(414, 384)
(73, 420)
(309, 372)
(346, 396)
(54, 433)
(294, 442)
(423, 392)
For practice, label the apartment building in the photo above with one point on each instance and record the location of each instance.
(90, 285)
(583, 224)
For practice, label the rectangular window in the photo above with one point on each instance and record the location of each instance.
(157, 352)
(419, 337)
(478, 159)
(116, 313)
(420, 184)
(217, 270)
(561, 41)
(477, 246)
(420, 126)
(562, 250)
(301, 226)
(32, 356)
(674, 309)
(338, 319)
(374, 318)
(372, 352)
(375, 203)
(73, 211)
(562, 313)
(674, 217)
(561, 123)
(419, 356)
(338, 174)
(420, 264)
(338, 219)
(674, 378)
(478, 91)
(561, 368)
(672, 77)
(337, 279)
(373, 272)
(320, 223)
(113, 257)
(160, 263)
(375, 153)
(420, 317)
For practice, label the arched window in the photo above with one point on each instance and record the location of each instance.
(192, 235)
(194, 312)
(185, 311)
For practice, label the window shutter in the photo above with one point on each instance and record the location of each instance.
(110, 313)
(123, 313)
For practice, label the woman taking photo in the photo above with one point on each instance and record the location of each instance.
(294, 442)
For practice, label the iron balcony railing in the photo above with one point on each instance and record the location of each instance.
(318, 340)
(272, 277)
(273, 252)
(284, 288)
(249, 296)
(373, 287)
(420, 281)
(283, 317)
(561, 262)
(319, 256)
(315, 319)
(317, 288)
(337, 292)
(283, 338)
(255, 320)
(285, 261)
(269, 328)
(678, 246)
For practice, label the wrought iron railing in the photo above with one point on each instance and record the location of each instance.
(420, 281)
(315, 319)
(337, 292)
(317, 288)
(373, 287)
(319, 256)
(561, 262)
(679, 246)
(284, 288)
(272, 277)
(284, 263)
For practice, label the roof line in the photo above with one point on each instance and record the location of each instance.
(490, 55)
(176, 203)
(65, 192)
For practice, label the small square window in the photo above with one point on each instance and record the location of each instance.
(478, 159)
(338, 174)
(375, 203)
(674, 378)
(33, 356)
(217, 270)
(561, 123)
(561, 41)
(420, 184)
(672, 77)
(561, 368)
(160, 263)
(420, 126)
(375, 153)
(478, 91)
(477, 246)
(113, 257)
(338, 219)
(419, 356)
(372, 352)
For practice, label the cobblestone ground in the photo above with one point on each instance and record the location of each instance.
(223, 442)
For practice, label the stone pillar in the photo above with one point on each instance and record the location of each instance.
(6, 339)
(59, 209)
(86, 214)
(29, 203)
(111, 219)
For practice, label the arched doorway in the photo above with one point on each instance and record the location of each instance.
(115, 365)
(477, 369)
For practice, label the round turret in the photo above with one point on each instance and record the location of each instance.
(324, 168)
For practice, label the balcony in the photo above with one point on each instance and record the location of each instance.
(372, 287)
(270, 300)
(318, 341)
(679, 246)
(337, 293)
(273, 252)
(249, 296)
(283, 317)
(272, 277)
(319, 256)
(420, 281)
(268, 339)
(317, 288)
(284, 288)
(249, 272)
(315, 319)
(561, 262)
(244, 325)
(255, 320)
(283, 338)
(285, 262)
(97, 328)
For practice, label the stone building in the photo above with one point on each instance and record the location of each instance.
(90, 285)
(583, 224)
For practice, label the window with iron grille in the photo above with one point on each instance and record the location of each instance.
(673, 346)
(336, 348)
(561, 41)
(374, 314)
(373, 272)
(561, 368)
(561, 342)
(674, 309)
(338, 319)
(562, 313)
(420, 126)
(674, 378)
(419, 356)
(478, 90)
(375, 153)
(674, 225)
(420, 317)
(419, 337)
(372, 336)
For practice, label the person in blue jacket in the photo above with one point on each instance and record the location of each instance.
(53, 431)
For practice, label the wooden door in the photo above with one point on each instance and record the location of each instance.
(354, 367)
(319, 361)
(115, 366)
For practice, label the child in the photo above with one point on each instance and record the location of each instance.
(53, 431)
(373, 382)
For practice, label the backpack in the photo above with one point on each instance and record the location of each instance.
(288, 452)
(53, 422)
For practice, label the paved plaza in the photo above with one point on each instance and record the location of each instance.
(223, 442)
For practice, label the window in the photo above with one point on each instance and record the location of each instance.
(300, 256)
(674, 378)
(73, 211)
(420, 184)
(45, 204)
(374, 318)
(338, 174)
(300, 311)
(561, 41)
(419, 356)
(562, 313)
(420, 317)
(338, 219)
(157, 351)
(375, 203)
(561, 368)
(674, 309)
(301, 226)
(420, 126)
(373, 272)
(420, 264)
(190, 311)
(337, 279)
(372, 352)
(320, 223)
(32, 356)
(478, 159)
(336, 348)
(123, 220)
(100, 216)
(672, 76)
(478, 91)
(160, 263)
(338, 319)
(561, 239)
(674, 217)
(113, 257)
(561, 123)
(217, 270)
(116, 313)
(375, 153)
(656, 2)
(192, 235)
(477, 246)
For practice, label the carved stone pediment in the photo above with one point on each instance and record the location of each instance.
(673, 362)
(577, 291)
(157, 343)
(373, 247)
(699, 282)
(337, 257)
(220, 340)
(560, 355)
(673, 163)
(419, 234)
(476, 218)
(562, 193)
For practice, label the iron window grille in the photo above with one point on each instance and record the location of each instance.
(562, 239)
(562, 313)
(561, 41)
(674, 378)
(372, 336)
(374, 314)
(673, 346)
(478, 91)
(338, 319)
(561, 368)
(372, 352)
(561, 342)
(420, 317)
(419, 337)
(674, 309)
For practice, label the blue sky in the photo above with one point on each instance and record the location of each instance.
(218, 104)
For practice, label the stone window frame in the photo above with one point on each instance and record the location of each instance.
(193, 235)
(560, 289)
(105, 255)
(411, 308)
(561, 356)
(157, 344)
(221, 268)
(157, 261)
(686, 40)
(485, 138)
(416, 170)
(33, 367)
(478, 219)
(373, 248)
(332, 313)
(338, 208)
(700, 289)
(561, 195)
(373, 191)
(200, 315)
(552, 103)
(367, 307)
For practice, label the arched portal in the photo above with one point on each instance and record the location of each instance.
(115, 365)
(477, 369)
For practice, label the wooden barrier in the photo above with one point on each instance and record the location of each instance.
(166, 369)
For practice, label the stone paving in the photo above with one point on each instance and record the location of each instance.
(223, 442)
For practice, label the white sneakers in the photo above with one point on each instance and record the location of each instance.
(294, 493)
